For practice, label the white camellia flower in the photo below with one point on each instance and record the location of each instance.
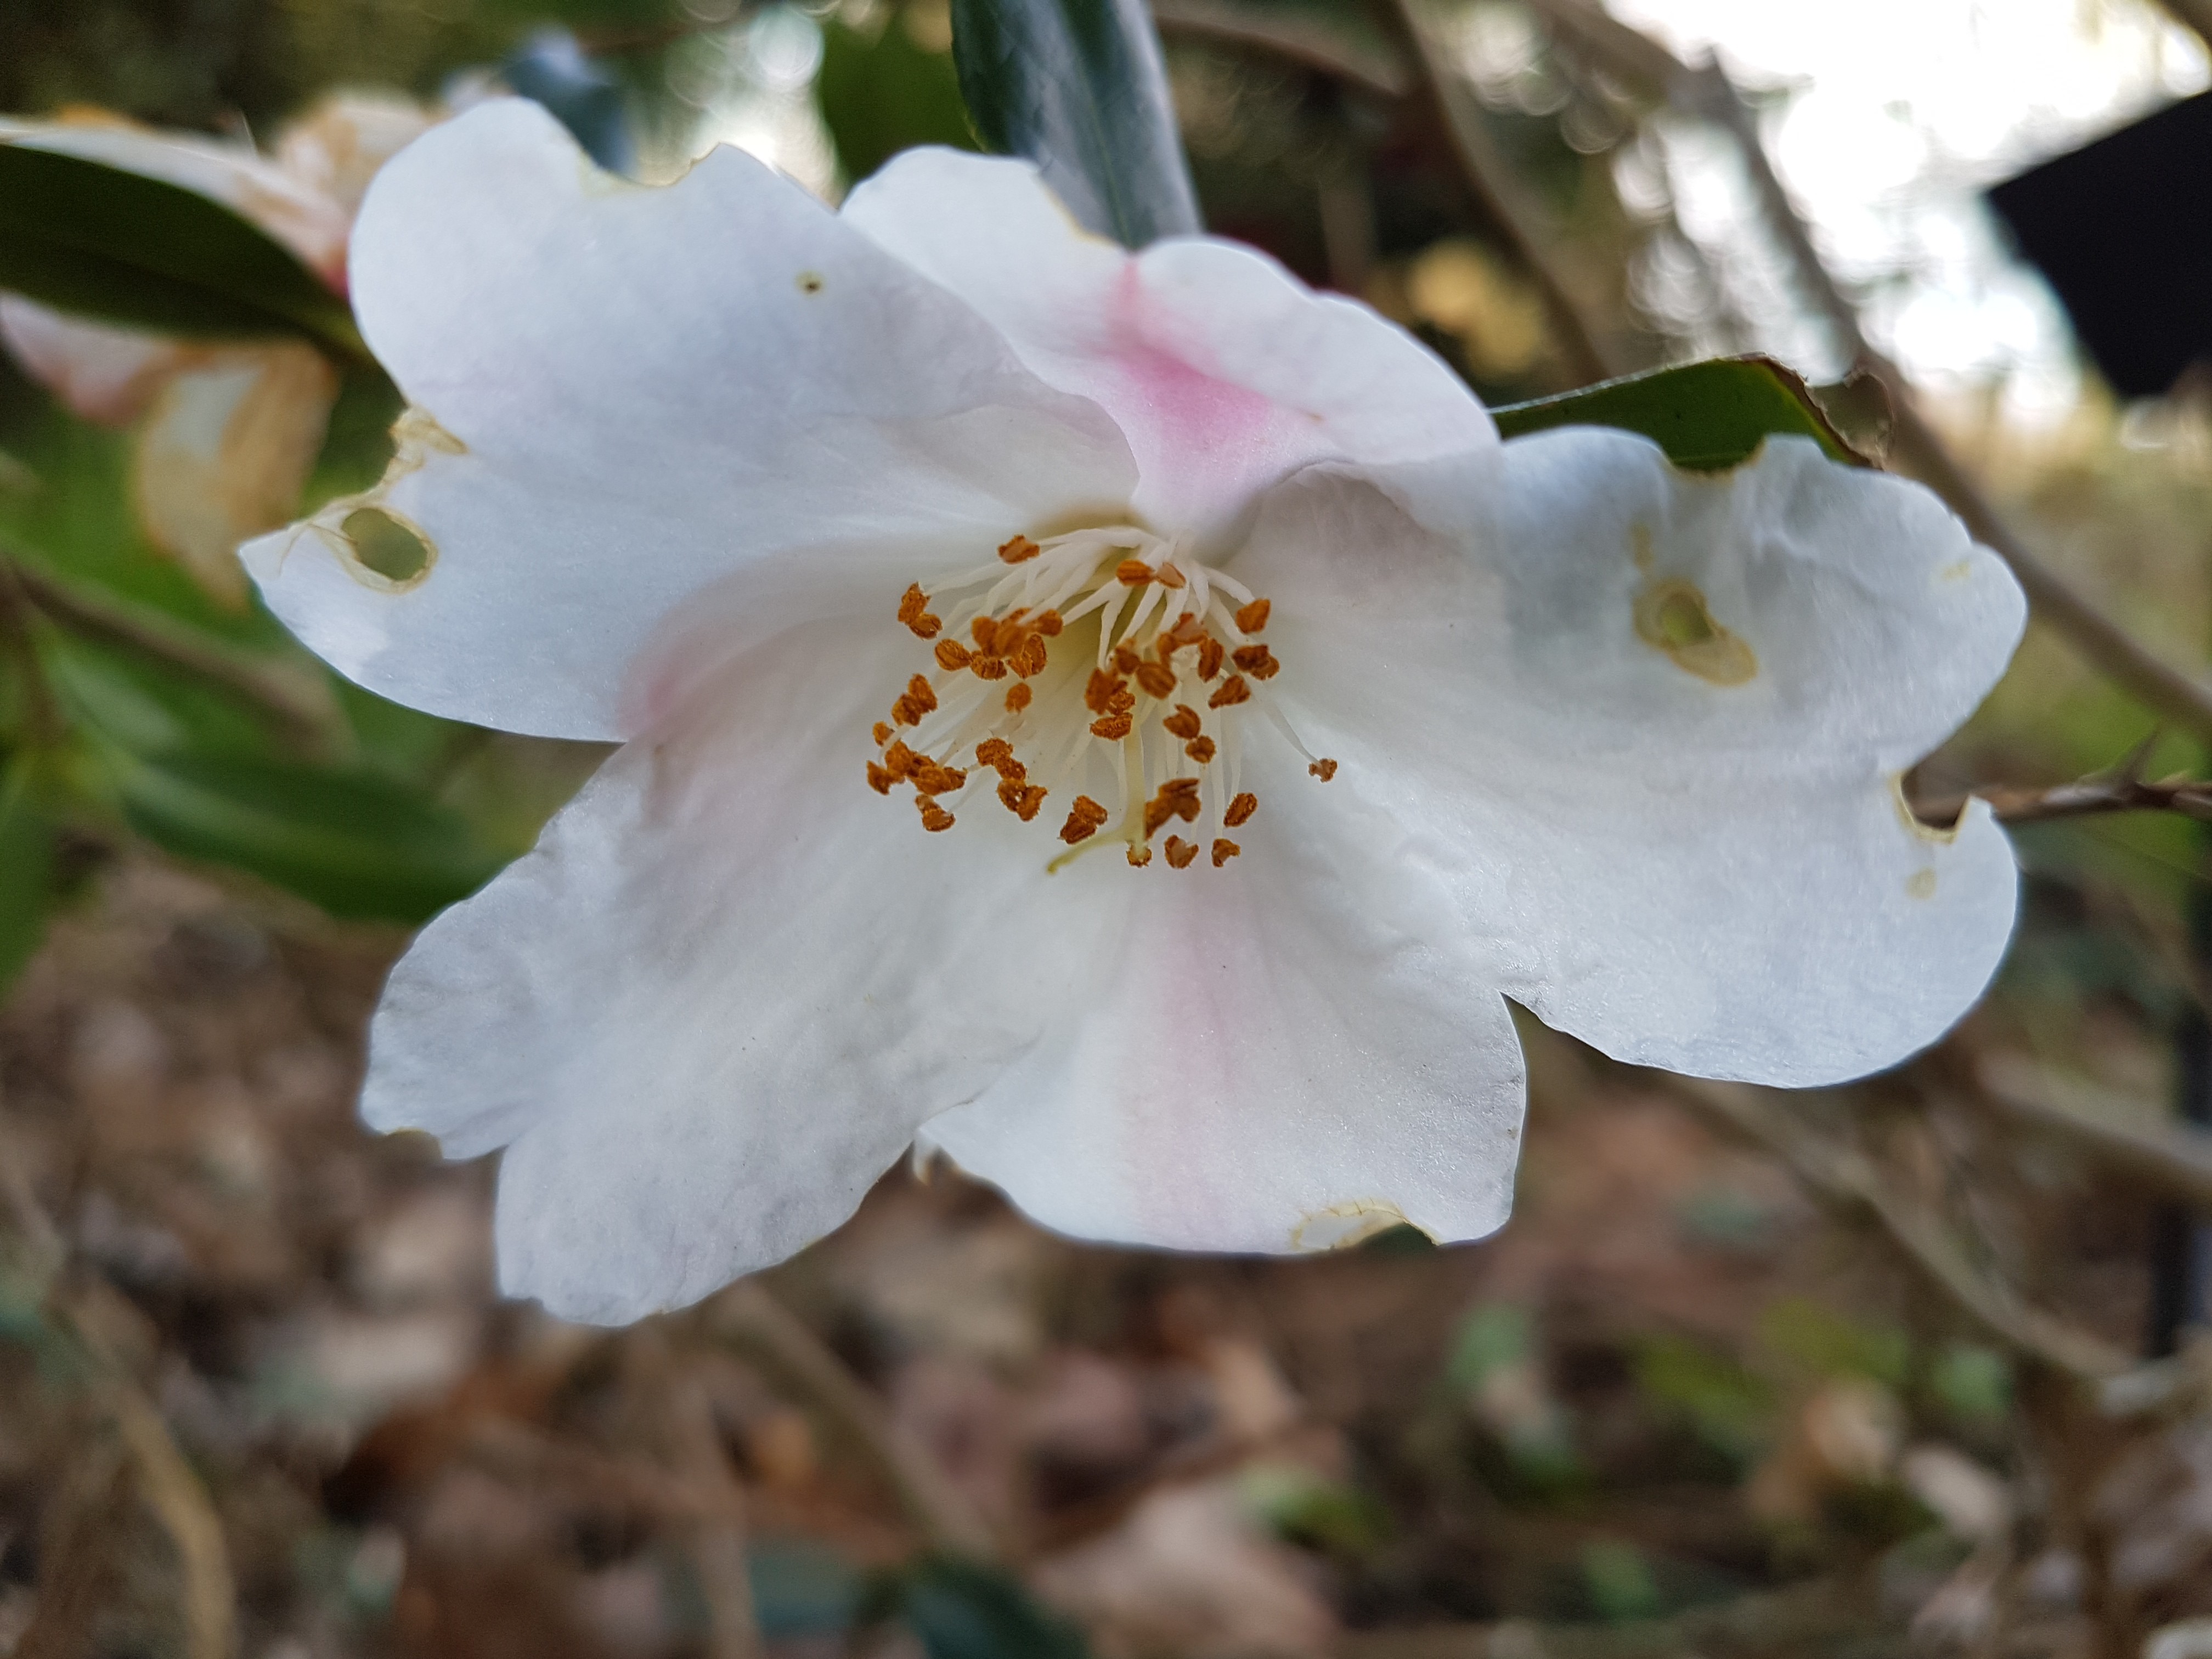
(230, 429)
(936, 564)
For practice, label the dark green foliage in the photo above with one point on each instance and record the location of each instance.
(1708, 416)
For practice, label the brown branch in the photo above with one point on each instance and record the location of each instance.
(1848, 1182)
(2131, 1137)
(300, 704)
(1490, 181)
(1705, 91)
(748, 1318)
(2083, 798)
(1299, 38)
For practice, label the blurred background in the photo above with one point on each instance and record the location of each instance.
(1909, 1368)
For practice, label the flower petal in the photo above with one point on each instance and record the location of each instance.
(307, 221)
(623, 394)
(224, 453)
(1651, 725)
(103, 373)
(1286, 1053)
(1224, 371)
(710, 1008)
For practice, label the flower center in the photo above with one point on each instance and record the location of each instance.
(1101, 659)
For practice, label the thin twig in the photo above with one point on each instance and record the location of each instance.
(2130, 1136)
(1302, 39)
(165, 1479)
(746, 1316)
(718, 1538)
(2083, 798)
(1847, 1181)
(1490, 181)
(1705, 91)
(298, 703)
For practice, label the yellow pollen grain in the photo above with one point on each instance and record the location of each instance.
(1224, 850)
(1323, 768)
(1253, 617)
(1018, 550)
(1133, 573)
(1241, 810)
(1232, 691)
(1180, 853)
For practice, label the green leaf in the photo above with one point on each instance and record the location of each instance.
(1077, 86)
(1708, 416)
(887, 91)
(101, 242)
(353, 843)
(965, 1610)
(27, 871)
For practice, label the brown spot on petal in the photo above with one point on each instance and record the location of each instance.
(1672, 616)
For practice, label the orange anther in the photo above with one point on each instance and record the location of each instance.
(1020, 799)
(1158, 812)
(952, 656)
(882, 730)
(1233, 690)
(1257, 660)
(1210, 654)
(1253, 617)
(1224, 850)
(1099, 696)
(1201, 750)
(1158, 682)
(1141, 856)
(920, 700)
(933, 816)
(1180, 853)
(900, 761)
(1171, 577)
(881, 778)
(1324, 770)
(1183, 723)
(1031, 658)
(1125, 659)
(1186, 631)
(996, 753)
(1133, 573)
(1018, 550)
(1083, 820)
(1017, 698)
(988, 668)
(913, 612)
(1112, 727)
(934, 778)
(1241, 810)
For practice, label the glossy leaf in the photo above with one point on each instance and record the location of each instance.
(1077, 85)
(27, 871)
(888, 90)
(1708, 416)
(352, 842)
(100, 241)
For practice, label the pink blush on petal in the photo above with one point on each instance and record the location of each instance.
(1205, 446)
